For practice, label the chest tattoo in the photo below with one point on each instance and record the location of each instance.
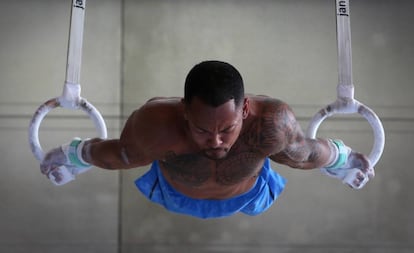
(190, 169)
(195, 169)
(238, 167)
(264, 135)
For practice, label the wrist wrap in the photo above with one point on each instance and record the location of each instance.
(75, 153)
(341, 157)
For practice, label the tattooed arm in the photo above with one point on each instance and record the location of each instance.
(294, 149)
(334, 157)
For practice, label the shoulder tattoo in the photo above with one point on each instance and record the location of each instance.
(275, 127)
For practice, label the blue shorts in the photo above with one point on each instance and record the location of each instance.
(258, 199)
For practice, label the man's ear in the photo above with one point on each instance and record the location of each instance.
(246, 108)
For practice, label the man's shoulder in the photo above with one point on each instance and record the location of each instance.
(164, 100)
(161, 108)
(264, 104)
(157, 114)
(268, 123)
(264, 99)
(158, 123)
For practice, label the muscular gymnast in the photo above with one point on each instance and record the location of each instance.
(209, 152)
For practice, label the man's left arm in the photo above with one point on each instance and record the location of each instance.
(333, 157)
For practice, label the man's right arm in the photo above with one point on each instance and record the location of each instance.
(63, 163)
(111, 155)
(129, 151)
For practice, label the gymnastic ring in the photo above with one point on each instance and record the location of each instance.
(51, 104)
(347, 106)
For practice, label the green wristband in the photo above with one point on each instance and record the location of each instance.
(342, 156)
(73, 154)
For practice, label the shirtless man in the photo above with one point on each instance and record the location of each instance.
(210, 151)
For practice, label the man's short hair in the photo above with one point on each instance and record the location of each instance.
(214, 83)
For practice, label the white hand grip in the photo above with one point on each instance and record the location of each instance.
(348, 106)
(49, 105)
(61, 176)
(350, 178)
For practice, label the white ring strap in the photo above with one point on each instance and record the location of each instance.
(345, 103)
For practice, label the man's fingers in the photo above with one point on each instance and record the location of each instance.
(360, 176)
(45, 169)
(53, 159)
(356, 178)
(365, 164)
(57, 177)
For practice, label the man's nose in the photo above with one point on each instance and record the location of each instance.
(215, 140)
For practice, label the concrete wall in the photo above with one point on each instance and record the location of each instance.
(36, 216)
(134, 50)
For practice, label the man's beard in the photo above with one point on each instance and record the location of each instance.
(216, 153)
